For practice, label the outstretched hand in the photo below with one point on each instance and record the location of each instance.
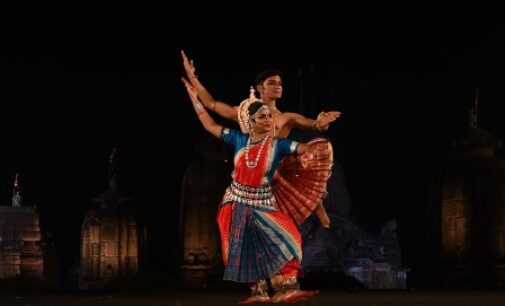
(325, 118)
(191, 91)
(186, 83)
(188, 65)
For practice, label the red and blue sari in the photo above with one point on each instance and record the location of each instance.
(258, 240)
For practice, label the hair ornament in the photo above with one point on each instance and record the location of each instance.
(243, 111)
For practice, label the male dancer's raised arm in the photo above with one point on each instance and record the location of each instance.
(270, 89)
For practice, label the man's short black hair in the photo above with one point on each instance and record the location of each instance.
(265, 74)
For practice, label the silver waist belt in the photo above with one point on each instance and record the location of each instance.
(255, 196)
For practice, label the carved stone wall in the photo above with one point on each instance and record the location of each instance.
(472, 223)
(465, 239)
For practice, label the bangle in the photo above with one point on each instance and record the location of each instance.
(201, 113)
(213, 105)
(314, 124)
(197, 106)
(194, 77)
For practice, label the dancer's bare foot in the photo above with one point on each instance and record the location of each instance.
(322, 215)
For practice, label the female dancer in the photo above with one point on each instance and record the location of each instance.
(258, 241)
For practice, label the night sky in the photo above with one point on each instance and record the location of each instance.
(79, 79)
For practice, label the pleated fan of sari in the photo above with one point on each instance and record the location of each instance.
(299, 185)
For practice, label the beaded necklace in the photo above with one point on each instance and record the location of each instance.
(253, 164)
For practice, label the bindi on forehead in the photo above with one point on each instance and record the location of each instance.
(264, 114)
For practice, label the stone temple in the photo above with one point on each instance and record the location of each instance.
(20, 239)
(111, 238)
(465, 213)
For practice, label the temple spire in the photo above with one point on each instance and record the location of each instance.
(472, 112)
(16, 192)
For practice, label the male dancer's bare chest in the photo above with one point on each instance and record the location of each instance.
(280, 129)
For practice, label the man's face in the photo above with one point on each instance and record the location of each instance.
(271, 89)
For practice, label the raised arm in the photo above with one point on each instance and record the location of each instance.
(222, 109)
(321, 124)
(208, 123)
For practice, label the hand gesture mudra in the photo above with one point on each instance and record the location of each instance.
(325, 118)
(188, 65)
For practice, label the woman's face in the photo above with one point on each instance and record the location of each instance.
(263, 120)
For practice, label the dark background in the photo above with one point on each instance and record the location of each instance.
(78, 79)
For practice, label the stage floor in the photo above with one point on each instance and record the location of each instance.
(347, 298)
